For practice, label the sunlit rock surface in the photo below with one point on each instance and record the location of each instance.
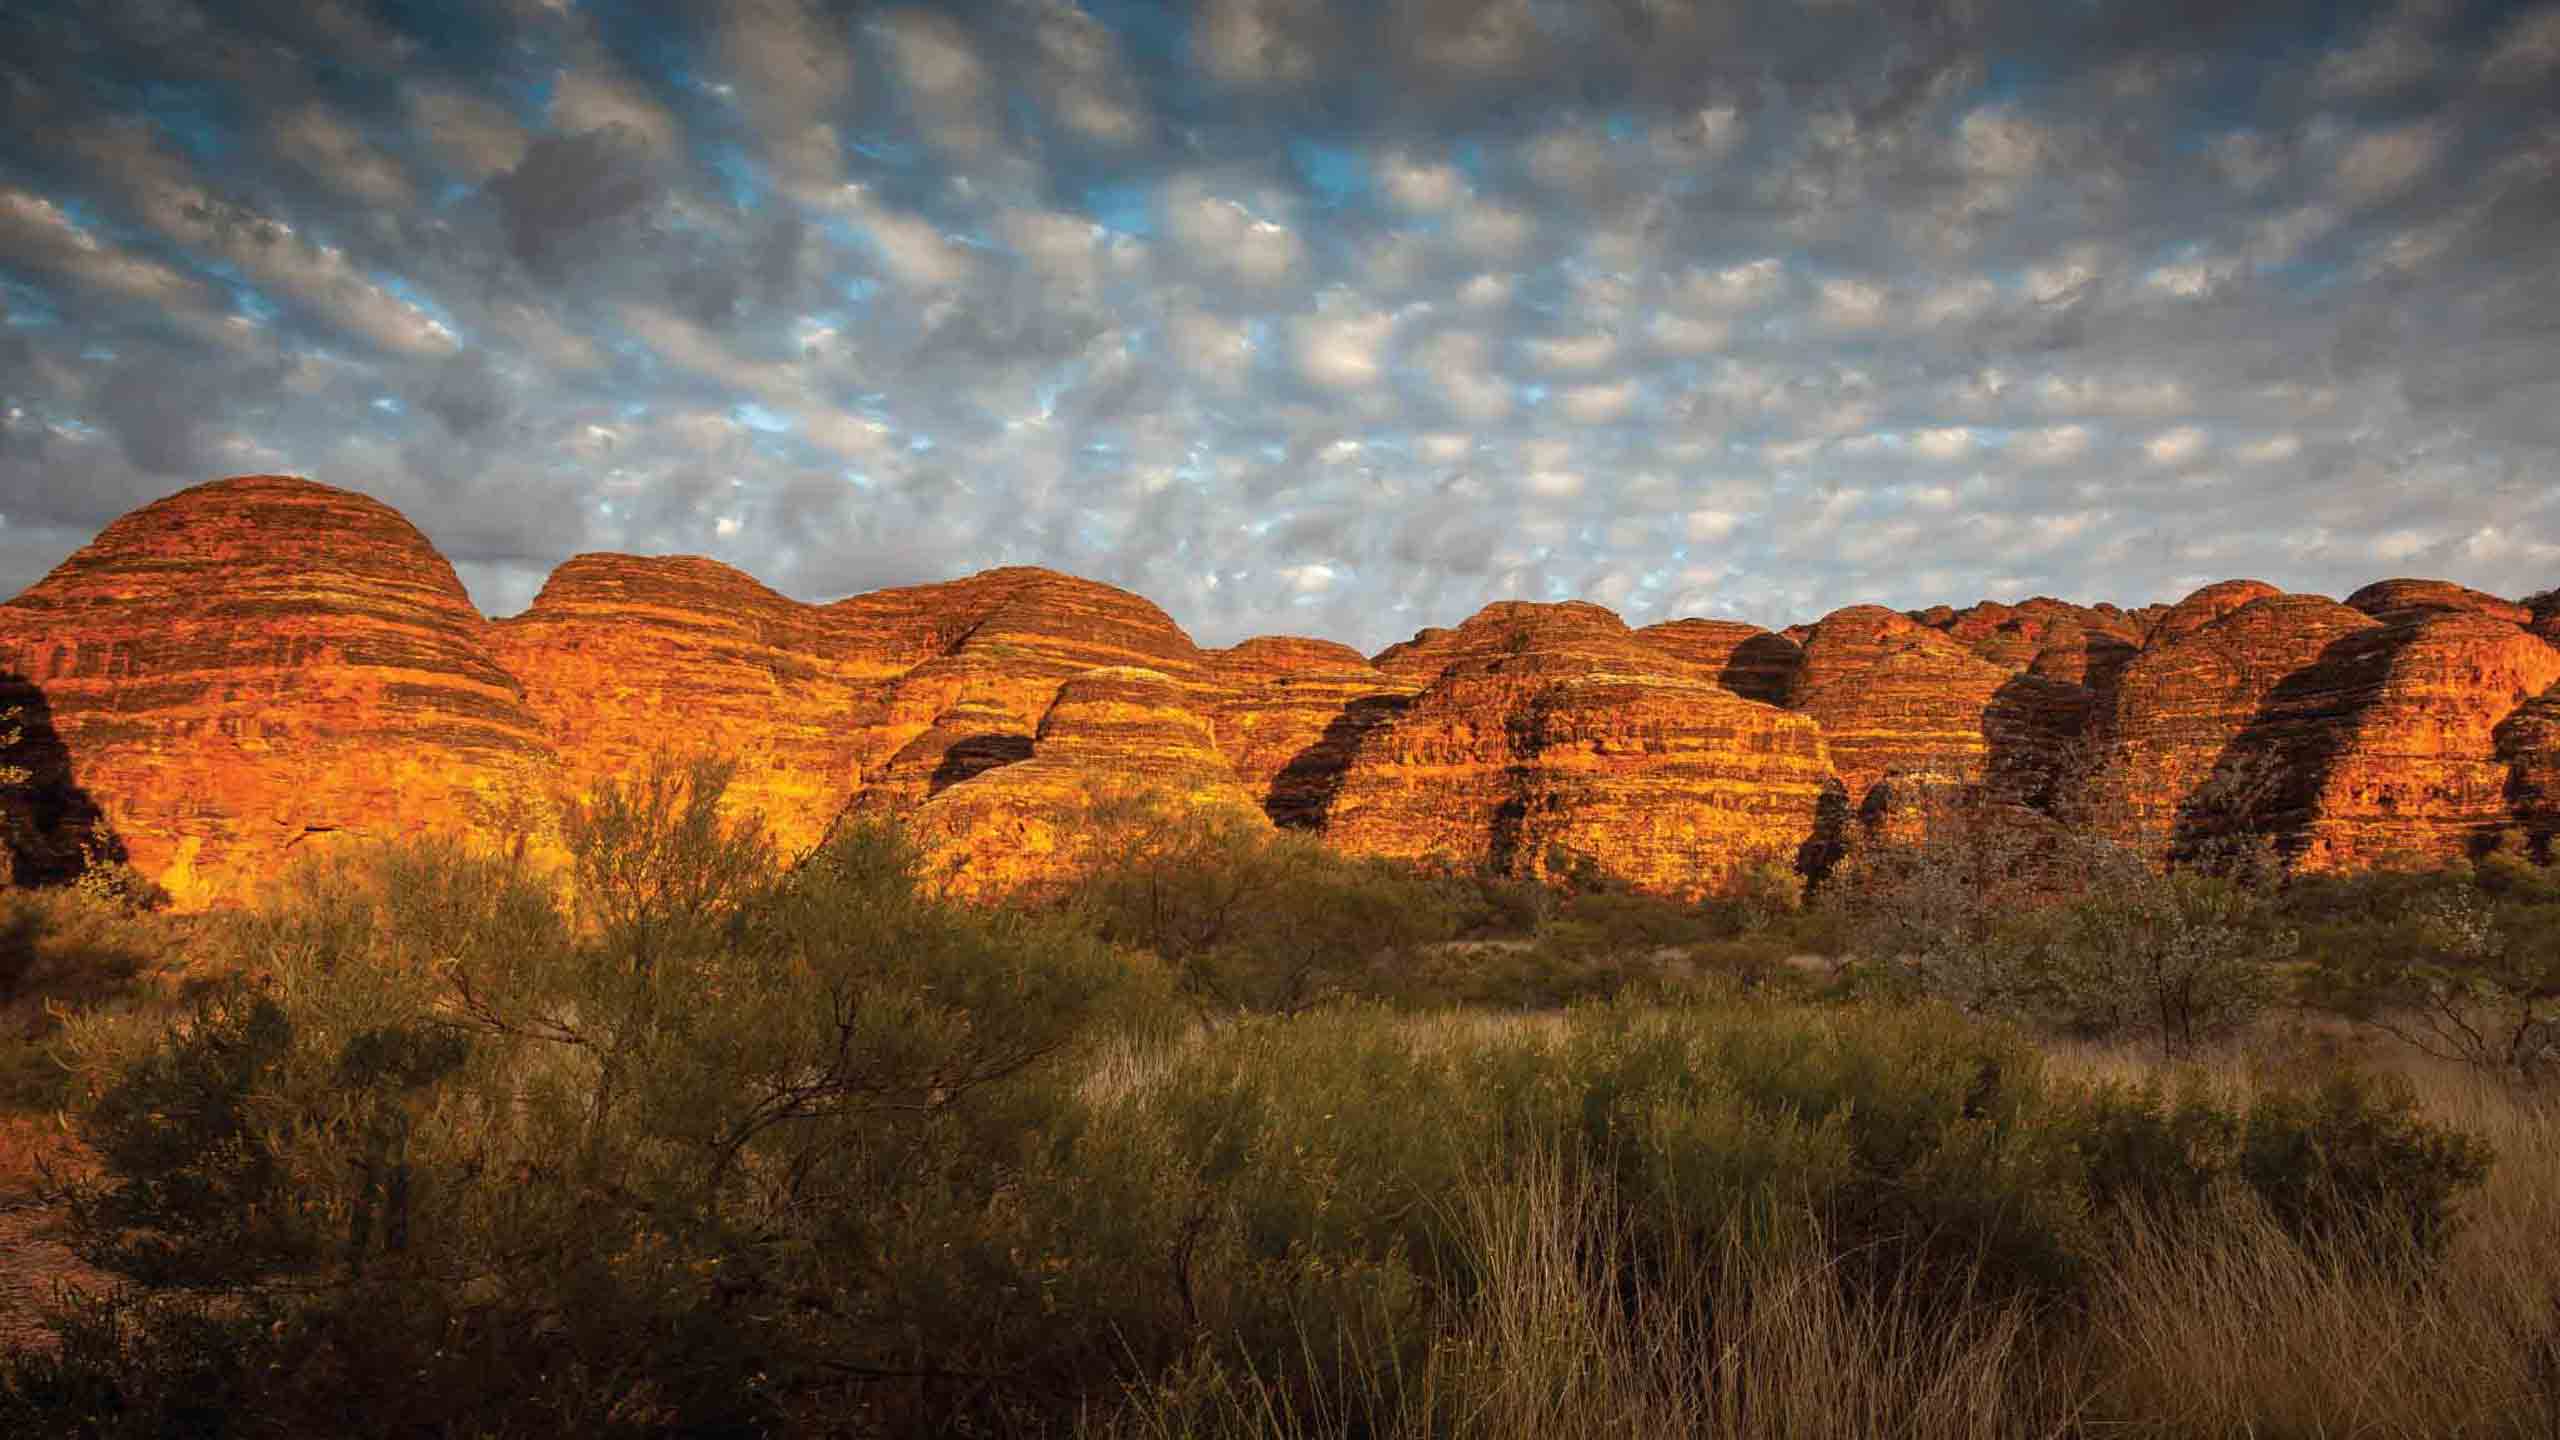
(1117, 746)
(1290, 714)
(252, 670)
(264, 667)
(1552, 732)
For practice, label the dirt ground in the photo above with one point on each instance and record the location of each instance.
(34, 1263)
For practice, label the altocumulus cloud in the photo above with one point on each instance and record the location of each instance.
(1310, 317)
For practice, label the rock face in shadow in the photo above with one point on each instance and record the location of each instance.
(248, 670)
(2418, 770)
(1551, 731)
(2528, 744)
(260, 668)
(2212, 724)
(1289, 713)
(1753, 663)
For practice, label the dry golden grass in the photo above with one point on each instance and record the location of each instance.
(2238, 1332)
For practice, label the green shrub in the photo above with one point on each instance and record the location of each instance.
(2351, 1159)
(2460, 963)
(713, 1134)
(1255, 922)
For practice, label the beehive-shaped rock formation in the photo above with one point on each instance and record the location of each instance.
(1292, 710)
(251, 670)
(1753, 663)
(1118, 746)
(1552, 731)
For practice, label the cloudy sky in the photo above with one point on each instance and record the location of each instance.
(1294, 317)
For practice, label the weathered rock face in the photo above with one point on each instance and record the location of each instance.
(1893, 696)
(1008, 638)
(2528, 744)
(243, 670)
(2204, 607)
(1753, 663)
(2342, 740)
(1118, 739)
(1290, 714)
(2212, 726)
(1551, 727)
(235, 675)
(624, 658)
(2390, 600)
(2417, 769)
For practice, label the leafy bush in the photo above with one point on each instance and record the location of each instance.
(2351, 1159)
(1253, 921)
(641, 1163)
(2460, 963)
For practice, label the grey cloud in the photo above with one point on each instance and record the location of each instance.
(468, 395)
(562, 201)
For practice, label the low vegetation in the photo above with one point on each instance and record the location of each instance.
(1241, 1137)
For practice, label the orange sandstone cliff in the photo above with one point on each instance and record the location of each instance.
(259, 668)
(1554, 731)
(252, 669)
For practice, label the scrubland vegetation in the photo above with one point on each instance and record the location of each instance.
(1993, 1135)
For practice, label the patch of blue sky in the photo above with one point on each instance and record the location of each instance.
(2008, 78)
(741, 178)
(1125, 209)
(1338, 174)
(920, 445)
(399, 288)
(248, 301)
(527, 92)
(757, 417)
(104, 354)
(857, 290)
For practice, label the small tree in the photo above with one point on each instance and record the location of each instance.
(2462, 979)
(2175, 956)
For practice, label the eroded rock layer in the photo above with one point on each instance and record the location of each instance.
(249, 670)
(255, 669)
(1551, 731)
(1117, 746)
(1895, 697)
(2213, 727)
